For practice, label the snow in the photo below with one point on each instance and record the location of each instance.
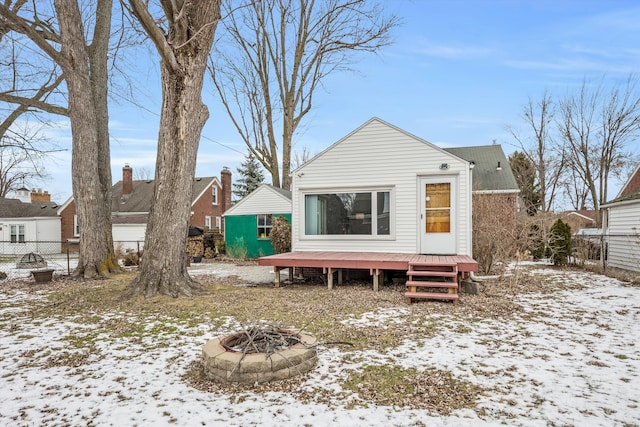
(570, 358)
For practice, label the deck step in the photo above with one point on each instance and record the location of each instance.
(426, 284)
(431, 295)
(432, 273)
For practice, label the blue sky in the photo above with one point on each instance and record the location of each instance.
(458, 74)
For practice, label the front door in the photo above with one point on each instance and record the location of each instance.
(437, 215)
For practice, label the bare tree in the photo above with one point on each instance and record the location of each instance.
(182, 32)
(61, 37)
(596, 125)
(275, 55)
(19, 168)
(538, 146)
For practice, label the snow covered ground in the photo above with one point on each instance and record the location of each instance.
(569, 358)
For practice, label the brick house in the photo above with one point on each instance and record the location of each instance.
(131, 201)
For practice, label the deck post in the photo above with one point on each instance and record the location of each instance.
(376, 278)
(291, 275)
(329, 271)
(276, 271)
(339, 276)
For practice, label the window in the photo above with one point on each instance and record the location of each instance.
(364, 213)
(214, 195)
(218, 222)
(17, 233)
(207, 222)
(264, 225)
(76, 226)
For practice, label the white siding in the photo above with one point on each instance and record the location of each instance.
(42, 235)
(378, 155)
(263, 200)
(624, 236)
(128, 236)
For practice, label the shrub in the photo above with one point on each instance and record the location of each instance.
(280, 235)
(131, 258)
(560, 242)
(238, 250)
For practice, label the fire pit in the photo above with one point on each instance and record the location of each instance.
(259, 355)
(31, 260)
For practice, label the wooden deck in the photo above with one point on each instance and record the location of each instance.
(375, 262)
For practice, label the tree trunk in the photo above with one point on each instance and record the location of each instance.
(183, 116)
(93, 202)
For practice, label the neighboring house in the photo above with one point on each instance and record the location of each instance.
(29, 223)
(496, 195)
(621, 226)
(580, 219)
(248, 222)
(132, 200)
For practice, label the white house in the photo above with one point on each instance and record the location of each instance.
(381, 189)
(29, 223)
(621, 226)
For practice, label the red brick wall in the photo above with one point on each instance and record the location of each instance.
(66, 227)
(204, 207)
(633, 186)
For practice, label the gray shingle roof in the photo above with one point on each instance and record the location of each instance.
(140, 199)
(14, 208)
(486, 176)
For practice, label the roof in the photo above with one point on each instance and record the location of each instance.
(630, 191)
(588, 214)
(266, 199)
(14, 208)
(140, 199)
(376, 119)
(486, 174)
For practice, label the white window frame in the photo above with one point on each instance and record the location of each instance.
(207, 222)
(214, 194)
(265, 227)
(17, 233)
(219, 223)
(76, 226)
(374, 202)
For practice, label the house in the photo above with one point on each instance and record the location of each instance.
(621, 226)
(377, 200)
(248, 222)
(29, 223)
(131, 202)
(580, 219)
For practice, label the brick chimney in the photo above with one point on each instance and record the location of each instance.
(127, 179)
(225, 177)
(39, 196)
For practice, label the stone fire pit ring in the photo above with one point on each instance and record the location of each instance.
(227, 366)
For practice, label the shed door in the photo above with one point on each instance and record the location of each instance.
(438, 234)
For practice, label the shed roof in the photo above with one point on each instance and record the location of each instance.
(264, 199)
(486, 174)
(14, 208)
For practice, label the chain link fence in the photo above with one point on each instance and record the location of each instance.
(62, 257)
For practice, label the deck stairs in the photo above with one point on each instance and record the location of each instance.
(432, 281)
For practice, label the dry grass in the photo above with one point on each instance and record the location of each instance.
(324, 313)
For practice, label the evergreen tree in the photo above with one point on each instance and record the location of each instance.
(250, 177)
(560, 242)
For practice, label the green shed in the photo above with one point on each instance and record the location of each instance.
(247, 224)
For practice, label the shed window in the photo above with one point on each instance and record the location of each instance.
(264, 225)
(17, 233)
(364, 213)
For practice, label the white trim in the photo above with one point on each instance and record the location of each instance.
(496, 191)
(76, 226)
(207, 221)
(206, 190)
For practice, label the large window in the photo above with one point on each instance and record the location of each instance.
(17, 233)
(264, 225)
(365, 213)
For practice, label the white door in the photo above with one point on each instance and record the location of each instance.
(437, 215)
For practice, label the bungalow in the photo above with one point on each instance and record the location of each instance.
(382, 199)
(131, 201)
(248, 222)
(29, 223)
(621, 226)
